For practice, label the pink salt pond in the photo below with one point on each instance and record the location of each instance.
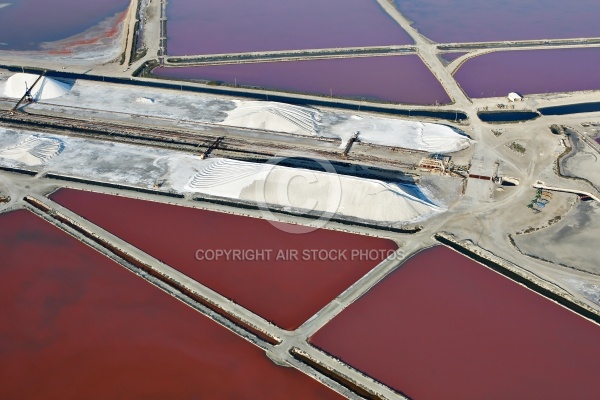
(283, 277)
(396, 79)
(216, 27)
(75, 325)
(444, 326)
(528, 72)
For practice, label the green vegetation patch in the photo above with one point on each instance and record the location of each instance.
(517, 147)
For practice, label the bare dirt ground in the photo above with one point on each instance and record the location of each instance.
(570, 242)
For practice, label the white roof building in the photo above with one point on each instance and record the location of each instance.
(513, 96)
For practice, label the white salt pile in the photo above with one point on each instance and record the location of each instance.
(144, 100)
(46, 88)
(413, 135)
(272, 116)
(302, 190)
(299, 120)
(33, 150)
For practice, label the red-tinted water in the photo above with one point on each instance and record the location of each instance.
(215, 26)
(25, 24)
(287, 291)
(445, 327)
(526, 72)
(398, 79)
(107, 30)
(75, 325)
(480, 21)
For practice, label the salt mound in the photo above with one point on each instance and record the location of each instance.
(273, 116)
(46, 88)
(421, 136)
(287, 118)
(144, 100)
(34, 150)
(302, 190)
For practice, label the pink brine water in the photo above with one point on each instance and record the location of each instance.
(443, 326)
(397, 79)
(75, 325)
(233, 26)
(283, 277)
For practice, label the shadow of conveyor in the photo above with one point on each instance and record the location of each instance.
(348, 169)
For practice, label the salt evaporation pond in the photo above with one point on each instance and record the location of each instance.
(26, 24)
(215, 26)
(527, 72)
(75, 325)
(397, 79)
(482, 21)
(287, 291)
(445, 327)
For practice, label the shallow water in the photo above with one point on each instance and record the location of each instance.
(397, 79)
(481, 21)
(26, 24)
(267, 278)
(75, 325)
(215, 26)
(444, 326)
(528, 72)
